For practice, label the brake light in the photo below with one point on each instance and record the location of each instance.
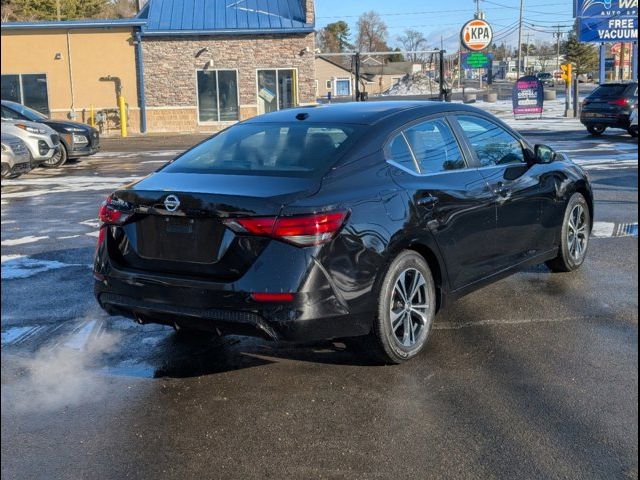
(304, 230)
(620, 102)
(109, 215)
(272, 297)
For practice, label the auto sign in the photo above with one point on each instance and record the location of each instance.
(476, 35)
(528, 96)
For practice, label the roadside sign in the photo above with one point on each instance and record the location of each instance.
(476, 35)
(608, 29)
(528, 96)
(476, 60)
(605, 8)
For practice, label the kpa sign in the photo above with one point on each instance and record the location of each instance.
(476, 35)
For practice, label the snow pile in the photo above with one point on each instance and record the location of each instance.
(416, 84)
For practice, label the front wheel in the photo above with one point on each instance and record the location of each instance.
(58, 159)
(596, 130)
(574, 238)
(406, 310)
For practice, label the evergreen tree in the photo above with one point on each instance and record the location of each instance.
(583, 56)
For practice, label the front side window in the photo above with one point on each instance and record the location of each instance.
(27, 89)
(283, 150)
(492, 144)
(218, 96)
(435, 147)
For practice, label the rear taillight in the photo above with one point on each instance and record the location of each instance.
(110, 215)
(303, 230)
(620, 102)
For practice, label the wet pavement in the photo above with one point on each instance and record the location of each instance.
(533, 377)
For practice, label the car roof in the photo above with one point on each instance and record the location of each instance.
(362, 113)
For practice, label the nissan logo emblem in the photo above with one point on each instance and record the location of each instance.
(172, 203)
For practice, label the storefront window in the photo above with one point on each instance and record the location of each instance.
(277, 90)
(218, 96)
(27, 89)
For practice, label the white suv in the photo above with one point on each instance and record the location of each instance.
(42, 141)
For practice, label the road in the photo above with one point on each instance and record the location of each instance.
(533, 377)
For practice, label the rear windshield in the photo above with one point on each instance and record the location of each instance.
(286, 150)
(544, 75)
(609, 91)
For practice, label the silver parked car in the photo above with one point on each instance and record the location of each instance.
(42, 141)
(16, 158)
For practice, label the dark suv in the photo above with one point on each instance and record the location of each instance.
(76, 139)
(609, 106)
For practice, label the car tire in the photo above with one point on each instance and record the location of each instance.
(58, 159)
(403, 322)
(574, 236)
(633, 131)
(596, 130)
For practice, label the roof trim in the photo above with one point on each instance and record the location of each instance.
(214, 33)
(73, 24)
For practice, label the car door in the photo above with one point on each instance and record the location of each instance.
(449, 198)
(522, 191)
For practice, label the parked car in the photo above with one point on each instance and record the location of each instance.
(76, 139)
(547, 79)
(339, 221)
(633, 121)
(16, 158)
(609, 106)
(42, 141)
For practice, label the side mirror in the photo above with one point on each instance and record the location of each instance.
(544, 154)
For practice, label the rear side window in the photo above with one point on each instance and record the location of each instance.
(296, 150)
(435, 147)
(492, 144)
(400, 153)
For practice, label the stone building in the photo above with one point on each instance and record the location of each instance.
(186, 65)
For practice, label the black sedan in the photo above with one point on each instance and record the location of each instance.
(610, 106)
(76, 139)
(351, 220)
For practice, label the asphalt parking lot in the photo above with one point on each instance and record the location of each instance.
(533, 377)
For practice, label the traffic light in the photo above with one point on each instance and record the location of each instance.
(567, 73)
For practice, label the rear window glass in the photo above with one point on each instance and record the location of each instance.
(609, 91)
(295, 150)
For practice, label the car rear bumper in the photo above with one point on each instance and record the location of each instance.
(317, 311)
(613, 120)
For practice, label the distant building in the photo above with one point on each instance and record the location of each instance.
(184, 65)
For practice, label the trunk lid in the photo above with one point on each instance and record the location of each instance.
(180, 230)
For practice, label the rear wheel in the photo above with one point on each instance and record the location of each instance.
(596, 130)
(574, 242)
(58, 159)
(406, 309)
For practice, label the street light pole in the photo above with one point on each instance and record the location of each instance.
(558, 35)
(520, 37)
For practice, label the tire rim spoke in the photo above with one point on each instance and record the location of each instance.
(577, 236)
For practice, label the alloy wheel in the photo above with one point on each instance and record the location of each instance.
(409, 310)
(577, 233)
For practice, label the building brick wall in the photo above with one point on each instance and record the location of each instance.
(310, 11)
(171, 63)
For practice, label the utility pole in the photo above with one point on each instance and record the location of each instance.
(526, 55)
(558, 35)
(520, 37)
(58, 15)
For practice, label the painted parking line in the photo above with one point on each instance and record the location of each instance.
(614, 230)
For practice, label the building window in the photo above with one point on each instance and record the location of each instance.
(218, 96)
(329, 85)
(27, 89)
(277, 90)
(343, 87)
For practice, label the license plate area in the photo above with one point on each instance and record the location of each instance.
(179, 239)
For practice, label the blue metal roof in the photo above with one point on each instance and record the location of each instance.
(72, 24)
(215, 17)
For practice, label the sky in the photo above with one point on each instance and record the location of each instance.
(444, 18)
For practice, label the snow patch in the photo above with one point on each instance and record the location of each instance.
(21, 266)
(21, 241)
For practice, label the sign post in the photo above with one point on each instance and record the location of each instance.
(476, 36)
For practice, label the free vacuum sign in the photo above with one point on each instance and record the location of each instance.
(607, 20)
(608, 29)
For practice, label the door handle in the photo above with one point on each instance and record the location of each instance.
(428, 202)
(502, 191)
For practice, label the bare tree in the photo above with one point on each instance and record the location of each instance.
(372, 33)
(546, 56)
(412, 41)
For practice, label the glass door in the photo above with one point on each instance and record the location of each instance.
(277, 90)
